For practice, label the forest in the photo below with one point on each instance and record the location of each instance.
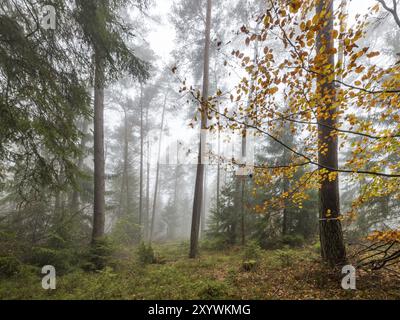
(199, 149)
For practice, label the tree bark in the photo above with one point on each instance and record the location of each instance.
(331, 236)
(99, 161)
(198, 190)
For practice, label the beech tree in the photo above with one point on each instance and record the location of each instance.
(311, 78)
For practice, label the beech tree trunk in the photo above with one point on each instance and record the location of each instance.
(331, 236)
(99, 161)
(198, 190)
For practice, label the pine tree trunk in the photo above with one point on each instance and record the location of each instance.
(126, 163)
(147, 216)
(153, 215)
(203, 205)
(124, 180)
(99, 161)
(331, 236)
(243, 212)
(141, 161)
(218, 172)
(198, 190)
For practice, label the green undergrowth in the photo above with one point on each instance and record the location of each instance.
(165, 272)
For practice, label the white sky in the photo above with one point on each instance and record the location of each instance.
(162, 35)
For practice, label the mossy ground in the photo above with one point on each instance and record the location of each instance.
(280, 274)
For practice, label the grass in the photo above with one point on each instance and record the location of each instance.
(280, 274)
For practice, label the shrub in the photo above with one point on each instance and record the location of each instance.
(286, 257)
(9, 266)
(215, 243)
(291, 240)
(61, 259)
(126, 231)
(251, 256)
(145, 254)
(212, 289)
(99, 255)
(295, 240)
(252, 251)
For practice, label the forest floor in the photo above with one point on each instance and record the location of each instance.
(280, 274)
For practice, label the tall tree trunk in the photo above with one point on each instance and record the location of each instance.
(153, 215)
(198, 190)
(244, 150)
(99, 161)
(243, 212)
(125, 178)
(147, 216)
(218, 146)
(177, 174)
(203, 205)
(241, 183)
(141, 161)
(218, 170)
(331, 236)
(126, 163)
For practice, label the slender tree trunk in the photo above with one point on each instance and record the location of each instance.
(146, 220)
(99, 161)
(141, 161)
(198, 190)
(218, 144)
(175, 206)
(244, 152)
(331, 236)
(153, 215)
(125, 179)
(203, 205)
(218, 171)
(243, 213)
(242, 181)
(126, 163)
(177, 174)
